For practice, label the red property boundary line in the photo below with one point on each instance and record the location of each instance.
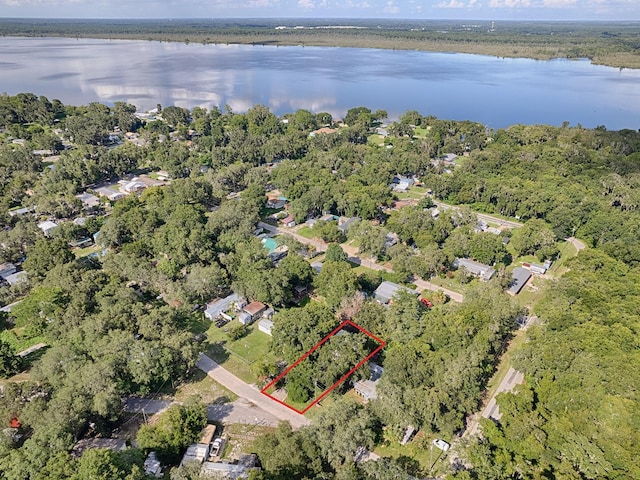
(382, 344)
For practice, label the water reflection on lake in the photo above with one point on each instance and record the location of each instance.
(498, 92)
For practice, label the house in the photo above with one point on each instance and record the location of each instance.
(323, 131)
(477, 269)
(88, 200)
(7, 269)
(133, 186)
(345, 223)
(535, 268)
(196, 452)
(328, 217)
(520, 276)
(288, 221)
(81, 242)
(110, 193)
(409, 433)
(115, 444)
(20, 211)
(245, 319)
(317, 266)
(268, 313)
(401, 183)
(276, 203)
(47, 227)
(16, 278)
(391, 239)
(265, 326)
(152, 465)
(367, 388)
(252, 312)
(386, 291)
(231, 471)
(217, 309)
(449, 158)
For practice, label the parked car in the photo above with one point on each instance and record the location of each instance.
(426, 302)
(216, 446)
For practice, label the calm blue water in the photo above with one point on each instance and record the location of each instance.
(495, 91)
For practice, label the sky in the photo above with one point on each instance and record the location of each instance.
(416, 9)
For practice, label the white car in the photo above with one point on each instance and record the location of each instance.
(441, 444)
(216, 446)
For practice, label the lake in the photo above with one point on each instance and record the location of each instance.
(495, 91)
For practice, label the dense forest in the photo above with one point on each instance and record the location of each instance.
(616, 44)
(121, 320)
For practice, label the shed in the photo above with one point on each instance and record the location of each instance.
(520, 277)
(289, 221)
(265, 326)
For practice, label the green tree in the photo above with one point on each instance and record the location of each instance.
(336, 281)
(335, 253)
(9, 362)
(179, 426)
(45, 255)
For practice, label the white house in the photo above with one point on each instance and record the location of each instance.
(47, 227)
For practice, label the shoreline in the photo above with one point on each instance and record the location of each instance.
(585, 44)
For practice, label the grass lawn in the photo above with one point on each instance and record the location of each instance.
(238, 355)
(83, 252)
(16, 338)
(567, 251)
(204, 389)
(420, 132)
(306, 232)
(453, 284)
(240, 438)
(419, 449)
(375, 140)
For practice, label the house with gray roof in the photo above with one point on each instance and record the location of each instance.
(386, 290)
(477, 269)
(220, 307)
(520, 277)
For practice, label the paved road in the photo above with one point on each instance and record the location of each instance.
(423, 284)
(33, 348)
(482, 216)
(248, 392)
(319, 245)
(508, 383)
(352, 253)
(241, 411)
(147, 405)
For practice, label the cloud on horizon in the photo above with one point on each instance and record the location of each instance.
(429, 9)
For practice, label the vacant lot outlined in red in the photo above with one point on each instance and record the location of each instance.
(381, 345)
